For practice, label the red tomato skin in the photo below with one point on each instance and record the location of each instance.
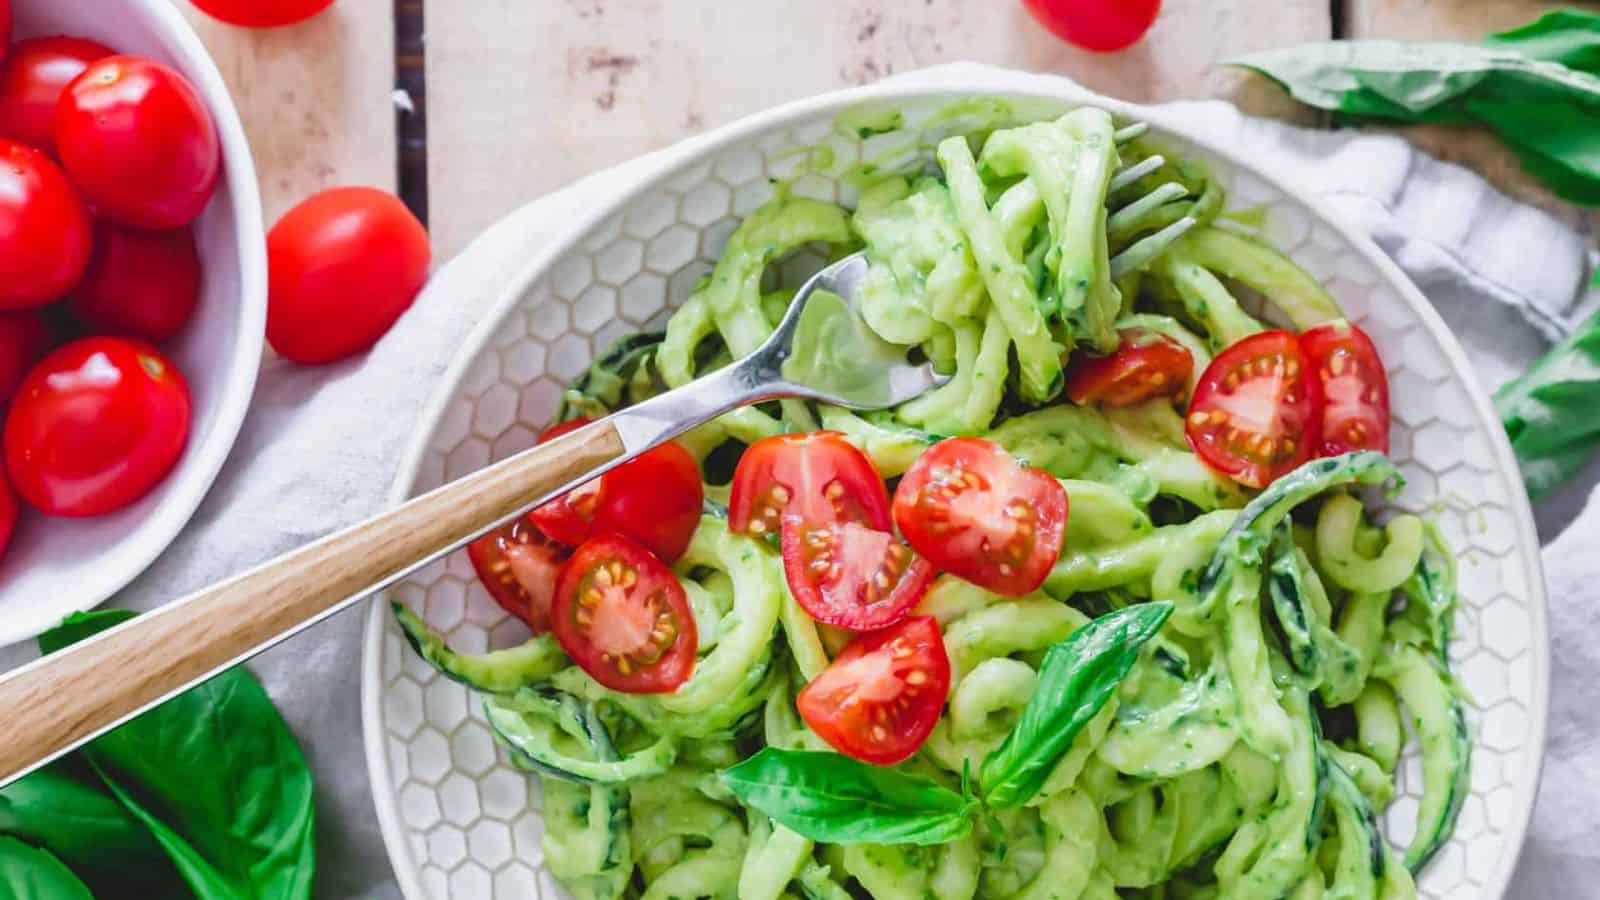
(568, 518)
(343, 266)
(498, 576)
(9, 510)
(827, 703)
(922, 491)
(806, 466)
(25, 337)
(1299, 420)
(262, 13)
(137, 139)
(45, 230)
(34, 75)
(1146, 365)
(656, 499)
(840, 606)
(141, 284)
(96, 425)
(654, 579)
(1355, 395)
(1103, 26)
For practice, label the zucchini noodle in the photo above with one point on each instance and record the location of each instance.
(1249, 751)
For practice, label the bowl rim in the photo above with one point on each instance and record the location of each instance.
(975, 81)
(203, 460)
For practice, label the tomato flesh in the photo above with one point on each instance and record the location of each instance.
(820, 477)
(35, 73)
(976, 512)
(519, 568)
(624, 618)
(96, 425)
(655, 499)
(1257, 410)
(1355, 388)
(851, 575)
(881, 697)
(1099, 25)
(1145, 365)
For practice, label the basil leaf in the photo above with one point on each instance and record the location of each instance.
(1570, 37)
(838, 800)
(28, 873)
(1552, 414)
(1078, 677)
(216, 777)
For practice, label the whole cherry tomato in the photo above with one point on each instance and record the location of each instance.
(1099, 25)
(262, 13)
(35, 73)
(45, 230)
(95, 426)
(25, 338)
(142, 284)
(5, 26)
(344, 265)
(8, 512)
(136, 137)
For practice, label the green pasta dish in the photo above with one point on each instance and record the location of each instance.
(1105, 616)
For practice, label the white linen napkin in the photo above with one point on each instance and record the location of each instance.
(320, 447)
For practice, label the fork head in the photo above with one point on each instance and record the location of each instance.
(823, 350)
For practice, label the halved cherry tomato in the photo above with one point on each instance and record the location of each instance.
(820, 477)
(623, 617)
(262, 13)
(143, 284)
(1099, 25)
(1257, 411)
(655, 499)
(32, 79)
(976, 512)
(25, 338)
(879, 701)
(1355, 388)
(1146, 364)
(45, 229)
(95, 426)
(138, 140)
(852, 575)
(519, 568)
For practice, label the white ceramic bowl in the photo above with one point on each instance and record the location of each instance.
(461, 823)
(57, 566)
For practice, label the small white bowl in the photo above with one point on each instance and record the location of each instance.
(58, 566)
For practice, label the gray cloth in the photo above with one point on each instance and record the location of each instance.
(320, 447)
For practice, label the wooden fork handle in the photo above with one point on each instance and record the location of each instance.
(56, 703)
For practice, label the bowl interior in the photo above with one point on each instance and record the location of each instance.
(460, 822)
(56, 566)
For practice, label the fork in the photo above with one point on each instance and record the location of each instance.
(57, 703)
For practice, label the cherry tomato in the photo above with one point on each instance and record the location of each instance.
(976, 512)
(1257, 412)
(5, 26)
(1099, 25)
(820, 477)
(879, 701)
(45, 230)
(1146, 364)
(851, 575)
(95, 426)
(136, 137)
(655, 499)
(344, 265)
(8, 512)
(35, 73)
(142, 284)
(623, 617)
(1355, 389)
(25, 337)
(519, 567)
(262, 13)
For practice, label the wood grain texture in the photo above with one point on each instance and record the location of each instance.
(316, 98)
(525, 97)
(1444, 20)
(56, 703)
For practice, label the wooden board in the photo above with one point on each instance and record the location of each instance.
(1465, 20)
(316, 98)
(528, 98)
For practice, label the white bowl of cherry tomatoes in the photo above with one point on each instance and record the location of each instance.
(133, 289)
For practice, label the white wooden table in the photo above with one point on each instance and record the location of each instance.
(524, 96)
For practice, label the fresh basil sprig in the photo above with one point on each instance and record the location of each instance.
(1550, 413)
(838, 800)
(1077, 678)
